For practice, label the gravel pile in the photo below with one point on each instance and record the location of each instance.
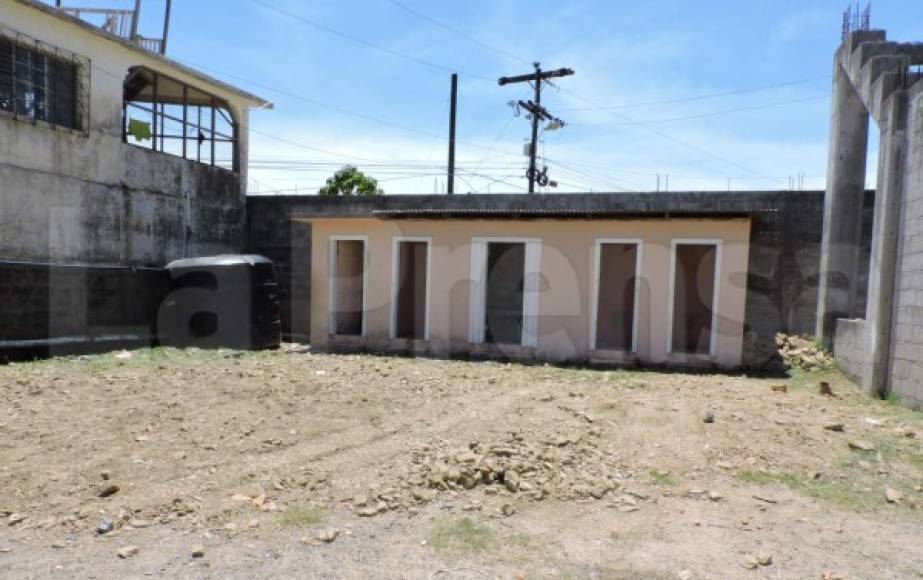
(567, 466)
(801, 352)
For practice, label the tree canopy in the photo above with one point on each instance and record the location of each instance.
(350, 181)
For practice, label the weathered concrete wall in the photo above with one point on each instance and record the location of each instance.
(161, 208)
(839, 284)
(783, 264)
(71, 196)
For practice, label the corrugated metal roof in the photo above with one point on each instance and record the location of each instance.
(574, 213)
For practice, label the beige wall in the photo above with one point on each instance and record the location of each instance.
(566, 284)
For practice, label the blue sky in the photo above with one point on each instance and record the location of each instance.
(625, 54)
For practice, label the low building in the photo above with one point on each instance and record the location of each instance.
(781, 274)
(587, 280)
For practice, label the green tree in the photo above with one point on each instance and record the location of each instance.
(350, 181)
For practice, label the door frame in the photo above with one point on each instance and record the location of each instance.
(594, 303)
(395, 270)
(332, 272)
(477, 298)
(716, 292)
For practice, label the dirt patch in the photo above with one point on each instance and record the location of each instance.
(285, 462)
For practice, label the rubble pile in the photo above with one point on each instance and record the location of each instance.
(801, 352)
(566, 466)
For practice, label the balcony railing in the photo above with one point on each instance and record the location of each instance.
(118, 23)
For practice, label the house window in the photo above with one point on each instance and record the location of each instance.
(617, 280)
(410, 288)
(40, 83)
(347, 286)
(166, 115)
(694, 283)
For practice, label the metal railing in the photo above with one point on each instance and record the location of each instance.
(150, 44)
(118, 22)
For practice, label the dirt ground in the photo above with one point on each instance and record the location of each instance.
(287, 464)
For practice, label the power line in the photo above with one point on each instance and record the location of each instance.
(363, 41)
(311, 100)
(367, 159)
(454, 30)
(705, 96)
(663, 135)
(494, 142)
(343, 110)
(320, 149)
(711, 114)
(650, 129)
(597, 178)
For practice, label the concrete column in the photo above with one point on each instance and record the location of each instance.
(885, 236)
(842, 206)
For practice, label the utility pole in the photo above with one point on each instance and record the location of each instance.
(452, 107)
(538, 113)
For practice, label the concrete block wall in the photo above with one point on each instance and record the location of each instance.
(77, 303)
(906, 363)
(852, 349)
(784, 270)
(273, 233)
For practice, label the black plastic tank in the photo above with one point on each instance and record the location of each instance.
(221, 301)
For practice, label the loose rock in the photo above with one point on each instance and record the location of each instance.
(127, 551)
(367, 512)
(105, 526)
(893, 496)
(109, 490)
(861, 445)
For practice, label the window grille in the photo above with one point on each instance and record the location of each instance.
(41, 83)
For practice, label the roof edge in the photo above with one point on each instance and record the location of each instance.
(256, 102)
